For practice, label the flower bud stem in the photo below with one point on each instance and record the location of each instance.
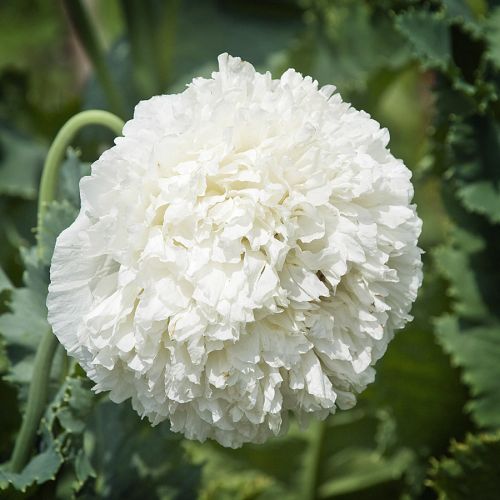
(38, 391)
(55, 156)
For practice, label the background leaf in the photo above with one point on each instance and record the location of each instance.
(477, 350)
(471, 471)
(428, 35)
(430, 72)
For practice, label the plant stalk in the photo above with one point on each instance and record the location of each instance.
(312, 468)
(140, 28)
(55, 156)
(82, 24)
(38, 391)
(164, 41)
(37, 396)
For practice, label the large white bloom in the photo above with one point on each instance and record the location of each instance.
(245, 251)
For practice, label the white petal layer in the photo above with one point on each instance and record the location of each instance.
(246, 250)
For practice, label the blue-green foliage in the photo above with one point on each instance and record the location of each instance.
(428, 70)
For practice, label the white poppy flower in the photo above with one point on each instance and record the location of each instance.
(244, 252)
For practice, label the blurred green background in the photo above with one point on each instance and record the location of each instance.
(429, 71)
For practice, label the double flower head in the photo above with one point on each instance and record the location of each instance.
(244, 252)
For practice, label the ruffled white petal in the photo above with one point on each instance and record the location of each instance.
(246, 250)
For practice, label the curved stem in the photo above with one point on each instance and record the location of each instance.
(38, 391)
(48, 184)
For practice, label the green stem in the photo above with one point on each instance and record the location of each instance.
(65, 365)
(84, 29)
(139, 18)
(164, 41)
(37, 396)
(57, 151)
(38, 391)
(312, 467)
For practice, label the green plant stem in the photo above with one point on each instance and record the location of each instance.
(37, 396)
(82, 24)
(38, 391)
(140, 24)
(164, 41)
(312, 467)
(48, 184)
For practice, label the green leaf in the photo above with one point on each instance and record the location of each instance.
(4, 359)
(40, 94)
(364, 470)
(61, 438)
(245, 485)
(152, 461)
(460, 261)
(63, 426)
(21, 163)
(477, 351)
(453, 263)
(5, 283)
(72, 405)
(347, 43)
(473, 145)
(459, 12)
(415, 381)
(20, 370)
(482, 197)
(83, 469)
(26, 322)
(41, 468)
(253, 38)
(260, 38)
(429, 36)
(22, 326)
(72, 170)
(474, 149)
(35, 276)
(58, 216)
(493, 36)
(471, 471)
(348, 453)
(23, 41)
(252, 469)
